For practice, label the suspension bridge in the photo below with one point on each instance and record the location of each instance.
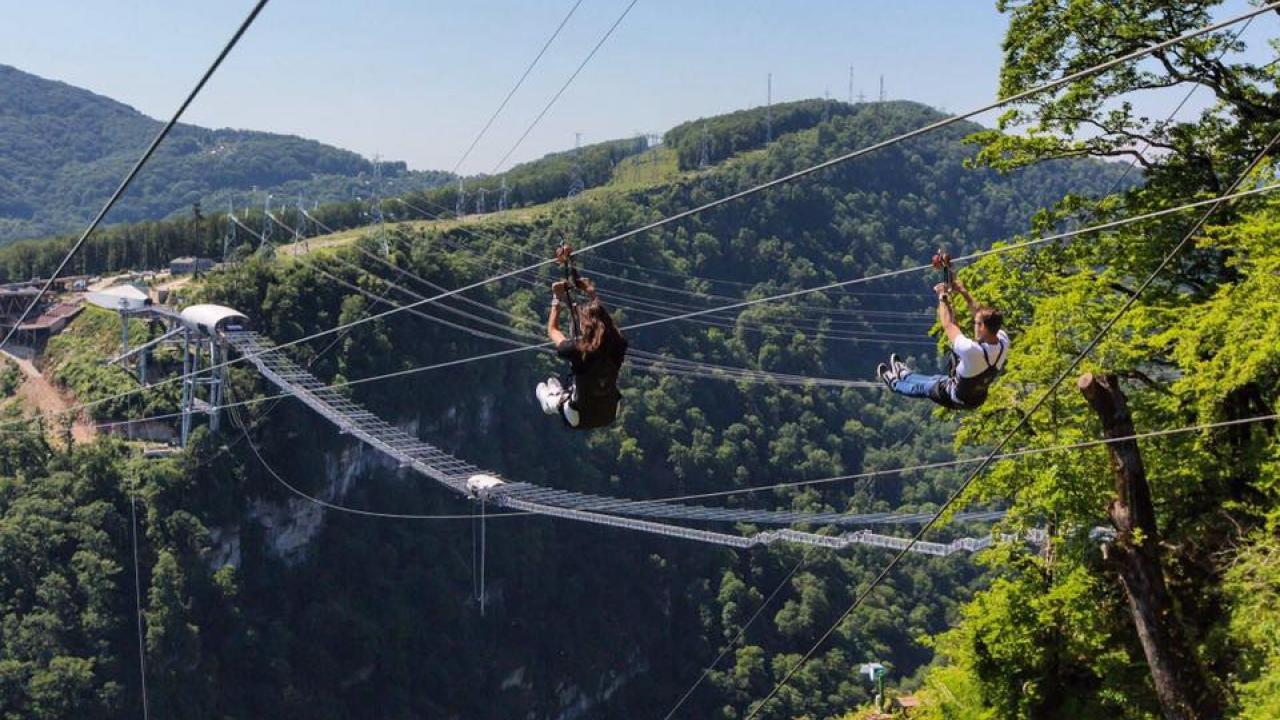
(352, 418)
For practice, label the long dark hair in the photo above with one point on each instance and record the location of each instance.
(597, 330)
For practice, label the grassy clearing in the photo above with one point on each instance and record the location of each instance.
(649, 168)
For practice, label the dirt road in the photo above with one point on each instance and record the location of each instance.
(36, 392)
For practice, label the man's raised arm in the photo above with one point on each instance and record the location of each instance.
(946, 316)
(968, 299)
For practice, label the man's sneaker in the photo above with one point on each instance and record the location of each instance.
(882, 372)
(900, 368)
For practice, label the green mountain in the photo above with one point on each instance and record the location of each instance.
(258, 604)
(63, 150)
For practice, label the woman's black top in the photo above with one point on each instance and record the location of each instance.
(595, 381)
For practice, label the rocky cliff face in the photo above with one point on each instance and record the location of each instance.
(290, 526)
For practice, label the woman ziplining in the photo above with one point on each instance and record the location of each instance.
(595, 352)
(973, 363)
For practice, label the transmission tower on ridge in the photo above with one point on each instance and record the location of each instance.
(704, 147)
(504, 198)
(768, 109)
(376, 200)
(850, 84)
(480, 201)
(460, 207)
(882, 88)
(229, 238)
(266, 221)
(299, 223)
(577, 185)
(303, 228)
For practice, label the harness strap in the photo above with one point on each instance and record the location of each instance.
(571, 285)
(985, 358)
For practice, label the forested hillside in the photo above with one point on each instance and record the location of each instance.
(1134, 579)
(63, 151)
(368, 617)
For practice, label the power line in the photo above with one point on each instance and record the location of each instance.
(566, 84)
(490, 238)
(1022, 421)
(516, 87)
(820, 166)
(651, 362)
(777, 181)
(461, 361)
(137, 167)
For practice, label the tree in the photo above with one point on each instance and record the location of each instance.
(1135, 554)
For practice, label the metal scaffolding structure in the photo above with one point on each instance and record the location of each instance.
(201, 392)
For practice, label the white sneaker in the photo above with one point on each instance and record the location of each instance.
(548, 396)
(900, 368)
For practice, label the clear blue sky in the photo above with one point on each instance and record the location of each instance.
(415, 80)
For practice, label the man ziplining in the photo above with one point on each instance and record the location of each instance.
(973, 364)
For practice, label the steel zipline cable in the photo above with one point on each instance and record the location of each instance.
(759, 188)
(444, 214)
(1022, 422)
(798, 175)
(650, 362)
(137, 166)
(759, 326)
(1110, 225)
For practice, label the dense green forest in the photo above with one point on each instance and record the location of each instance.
(659, 610)
(257, 603)
(63, 150)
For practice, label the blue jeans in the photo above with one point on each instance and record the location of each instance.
(919, 385)
(934, 387)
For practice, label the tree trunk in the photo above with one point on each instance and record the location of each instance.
(1135, 554)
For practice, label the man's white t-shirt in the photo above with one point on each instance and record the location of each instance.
(971, 360)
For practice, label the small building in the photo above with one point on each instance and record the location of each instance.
(120, 297)
(188, 265)
(49, 323)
